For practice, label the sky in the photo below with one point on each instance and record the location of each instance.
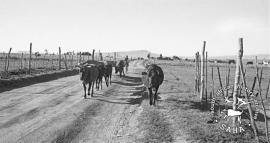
(170, 27)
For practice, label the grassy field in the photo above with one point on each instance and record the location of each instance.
(180, 116)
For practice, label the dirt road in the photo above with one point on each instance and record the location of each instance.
(55, 111)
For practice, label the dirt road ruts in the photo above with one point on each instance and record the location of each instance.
(55, 111)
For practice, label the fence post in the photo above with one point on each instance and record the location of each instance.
(240, 67)
(267, 89)
(65, 61)
(80, 57)
(206, 76)
(22, 61)
(196, 73)
(59, 58)
(72, 60)
(8, 56)
(213, 83)
(259, 79)
(93, 55)
(30, 59)
(202, 72)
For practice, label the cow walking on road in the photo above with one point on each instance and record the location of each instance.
(108, 74)
(154, 78)
(101, 71)
(120, 68)
(88, 75)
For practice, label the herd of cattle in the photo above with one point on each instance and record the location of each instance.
(92, 72)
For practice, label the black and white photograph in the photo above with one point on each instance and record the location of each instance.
(134, 71)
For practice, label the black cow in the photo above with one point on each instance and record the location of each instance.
(231, 61)
(120, 68)
(101, 71)
(108, 73)
(88, 75)
(249, 63)
(154, 78)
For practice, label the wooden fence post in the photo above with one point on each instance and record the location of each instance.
(72, 61)
(220, 82)
(195, 90)
(30, 59)
(259, 79)
(237, 81)
(65, 61)
(202, 72)
(267, 89)
(21, 61)
(8, 57)
(80, 57)
(240, 64)
(93, 55)
(5, 67)
(199, 72)
(206, 77)
(59, 58)
(213, 83)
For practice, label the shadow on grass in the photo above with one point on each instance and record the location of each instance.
(189, 104)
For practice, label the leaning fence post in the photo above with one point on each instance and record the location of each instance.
(259, 79)
(267, 89)
(202, 72)
(30, 59)
(240, 64)
(220, 82)
(8, 57)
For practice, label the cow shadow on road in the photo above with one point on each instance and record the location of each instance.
(135, 98)
(126, 83)
(132, 79)
(129, 81)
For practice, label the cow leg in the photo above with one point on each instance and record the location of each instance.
(89, 87)
(84, 87)
(110, 79)
(93, 83)
(155, 96)
(97, 85)
(100, 82)
(150, 95)
(106, 80)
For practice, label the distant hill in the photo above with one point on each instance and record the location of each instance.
(133, 54)
(248, 57)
